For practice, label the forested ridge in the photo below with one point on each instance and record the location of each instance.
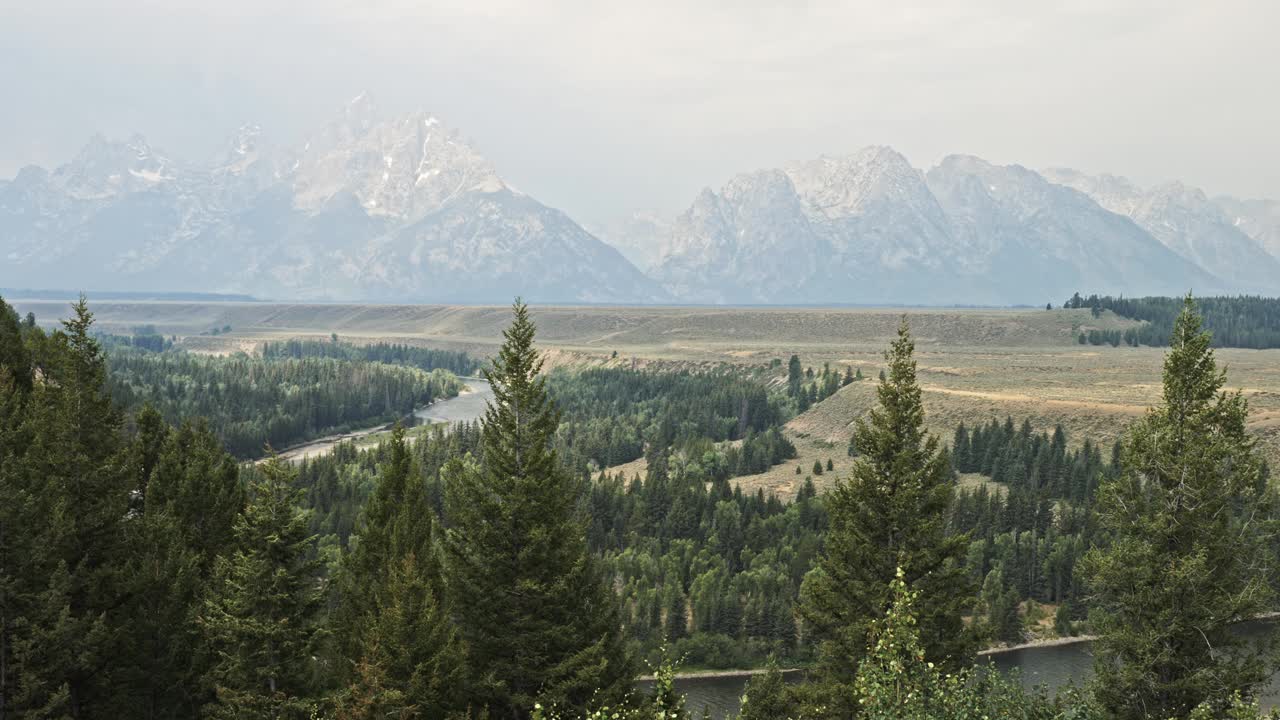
(1245, 321)
(493, 570)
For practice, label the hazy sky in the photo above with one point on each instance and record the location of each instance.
(598, 107)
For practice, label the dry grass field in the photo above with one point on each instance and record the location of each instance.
(975, 364)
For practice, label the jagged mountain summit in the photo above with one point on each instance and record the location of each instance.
(405, 209)
(869, 228)
(366, 208)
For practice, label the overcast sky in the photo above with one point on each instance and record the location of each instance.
(599, 107)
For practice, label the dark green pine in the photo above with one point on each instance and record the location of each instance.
(391, 617)
(890, 512)
(261, 618)
(538, 620)
(1187, 549)
(66, 475)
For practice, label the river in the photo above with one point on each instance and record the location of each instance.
(469, 405)
(1053, 667)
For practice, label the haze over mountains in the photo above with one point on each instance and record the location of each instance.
(404, 209)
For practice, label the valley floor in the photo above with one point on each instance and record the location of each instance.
(974, 364)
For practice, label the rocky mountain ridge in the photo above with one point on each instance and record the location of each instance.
(374, 208)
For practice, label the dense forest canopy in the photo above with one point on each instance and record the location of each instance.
(455, 361)
(251, 401)
(611, 415)
(491, 569)
(1245, 321)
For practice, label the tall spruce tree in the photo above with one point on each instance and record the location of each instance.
(19, 500)
(795, 376)
(192, 496)
(261, 618)
(538, 620)
(394, 638)
(891, 512)
(66, 483)
(1187, 550)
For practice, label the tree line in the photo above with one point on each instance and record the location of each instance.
(1245, 321)
(252, 401)
(807, 388)
(613, 415)
(455, 361)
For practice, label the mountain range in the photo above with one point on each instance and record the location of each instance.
(405, 209)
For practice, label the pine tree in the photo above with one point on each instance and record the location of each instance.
(261, 618)
(766, 697)
(795, 376)
(14, 356)
(890, 512)
(66, 487)
(390, 627)
(191, 497)
(1187, 548)
(537, 619)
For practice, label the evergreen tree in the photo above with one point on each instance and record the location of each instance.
(896, 681)
(1188, 546)
(891, 512)
(14, 356)
(766, 697)
(795, 376)
(192, 496)
(390, 627)
(66, 482)
(261, 618)
(538, 621)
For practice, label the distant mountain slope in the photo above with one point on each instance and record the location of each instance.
(869, 228)
(404, 209)
(1187, 222)
(1033, 238)
(367, 208)
(1259, 219)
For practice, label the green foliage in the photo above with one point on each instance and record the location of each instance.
(391, 625)
(421, 358)
(1188, 547)
(529, 601)
(191, 496)
(896, 681)
(1244, 321)
(261, 618)
(766, 697)
(613, 415)
(891, 512)
(251, 402)
(65, 482)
